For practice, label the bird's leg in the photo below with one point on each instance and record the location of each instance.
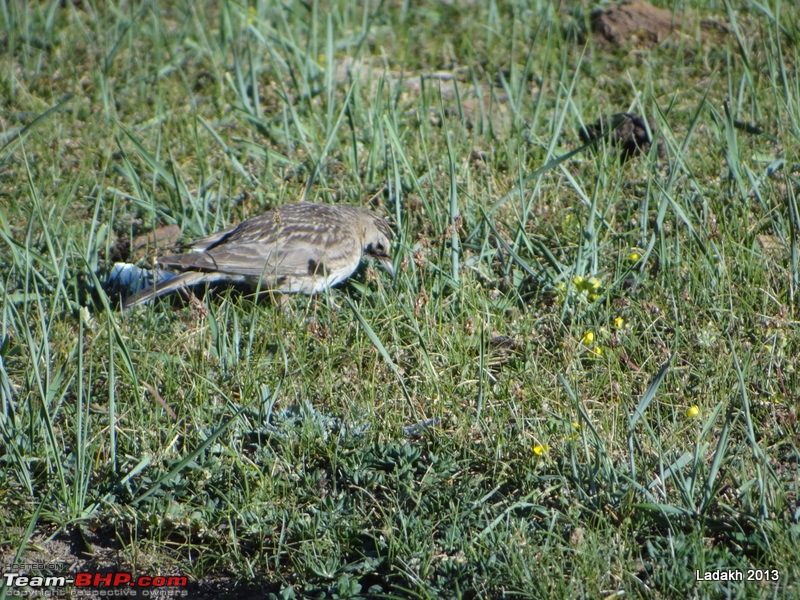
(284, 303)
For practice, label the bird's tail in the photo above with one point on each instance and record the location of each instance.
(181, 281)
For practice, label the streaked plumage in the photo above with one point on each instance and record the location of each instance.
(298, 248)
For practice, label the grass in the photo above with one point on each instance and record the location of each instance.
(581, 382)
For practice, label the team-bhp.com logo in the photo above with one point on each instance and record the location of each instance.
(98, 584)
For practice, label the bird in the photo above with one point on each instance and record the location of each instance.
(303, 248)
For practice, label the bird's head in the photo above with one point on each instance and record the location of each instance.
(378, 241)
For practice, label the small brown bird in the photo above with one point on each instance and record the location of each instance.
(298, 248)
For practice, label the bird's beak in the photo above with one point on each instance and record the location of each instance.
(387, 264)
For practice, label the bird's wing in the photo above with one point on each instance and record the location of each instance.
(212, 240)
(270, 253)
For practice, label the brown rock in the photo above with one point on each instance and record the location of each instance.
(143, 245)
(632, 21)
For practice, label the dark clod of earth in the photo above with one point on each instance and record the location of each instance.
(626, 130)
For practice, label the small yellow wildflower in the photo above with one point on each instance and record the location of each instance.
(634, 256)
(593, 297)
(540, 449)
(578, 281)
(618, 322)
(693, 411)
(594, 282)
(588, 337)
(598, 351)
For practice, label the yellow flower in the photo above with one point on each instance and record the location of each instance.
(540, 449)
(634, 256)
(693, 411)
(618, 322)
(575, 425)
(593, 297)
(594, 282)
(578, 281)
(598, 351)
(588, 337)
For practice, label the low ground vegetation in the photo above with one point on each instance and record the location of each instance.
(581, 381)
